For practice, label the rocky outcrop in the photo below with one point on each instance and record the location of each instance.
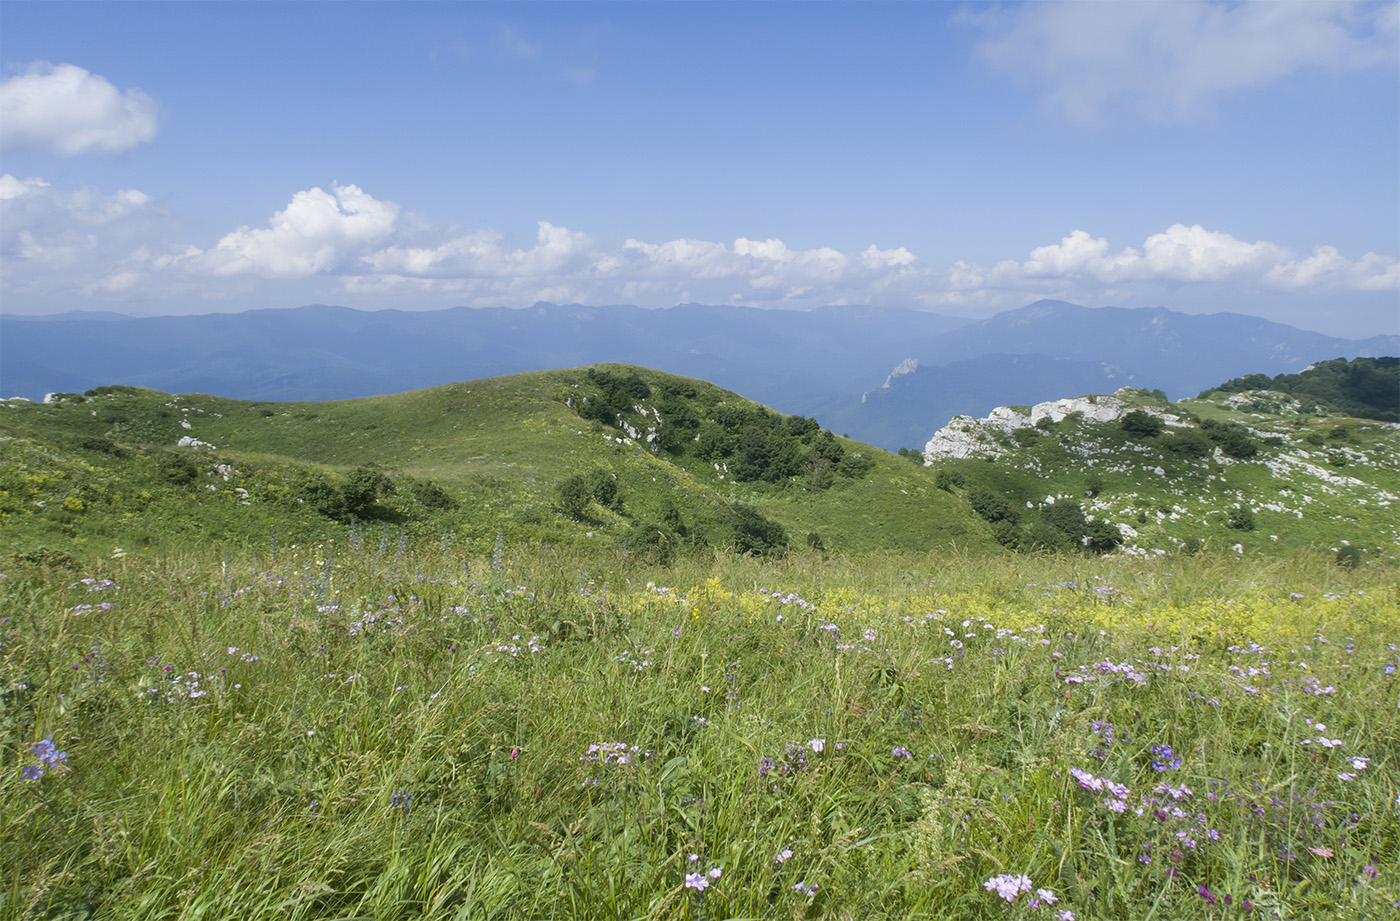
(907, 366)
(965, 436)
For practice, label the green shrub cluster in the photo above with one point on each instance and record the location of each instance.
(1367, 388)
(752, 443)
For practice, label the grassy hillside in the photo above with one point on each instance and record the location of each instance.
(469, 463)
(448, 655)
(1255, 471)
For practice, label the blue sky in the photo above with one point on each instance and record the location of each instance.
(963, 158)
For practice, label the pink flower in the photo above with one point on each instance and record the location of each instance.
(1008, 886)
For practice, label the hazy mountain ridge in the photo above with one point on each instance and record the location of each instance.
(832, 363)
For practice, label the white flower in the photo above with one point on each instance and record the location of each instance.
(817, 744)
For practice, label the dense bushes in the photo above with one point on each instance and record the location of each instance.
(749, 443)
(580, 490)
(1368, 388)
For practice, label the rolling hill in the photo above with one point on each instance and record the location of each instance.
(621, 459)
(666, 462)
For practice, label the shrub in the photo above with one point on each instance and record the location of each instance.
(947, 479)
(362, 489)
(574, 496)
(1025, 437)
(1101, 537)
(430, 494)
(753, 533)
(1067, 518)
(651, 540)
(990, 506)
(1141, 424)
(314, 490)
(1232, 438)
(602, 486)
(854, 465)
(1348, 557)
(104, 445)
(178, 470)
(1241, 519)
(1190, 443)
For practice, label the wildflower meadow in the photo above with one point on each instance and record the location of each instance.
(322, 731)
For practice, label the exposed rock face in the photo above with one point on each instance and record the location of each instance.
(965, 436)
(907, 366)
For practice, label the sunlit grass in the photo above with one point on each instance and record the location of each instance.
(331, 732)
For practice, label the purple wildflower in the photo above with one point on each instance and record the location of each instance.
(1008, 886)
(1164, 759)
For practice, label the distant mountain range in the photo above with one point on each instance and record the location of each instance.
(834, 363)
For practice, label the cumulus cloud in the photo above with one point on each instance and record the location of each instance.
(1170, 61)
(67, 110)
(52, 238)
(317, 232)
(480, 253)
(1177, 256)
(347, 243)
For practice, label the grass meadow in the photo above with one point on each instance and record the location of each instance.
(377, 729)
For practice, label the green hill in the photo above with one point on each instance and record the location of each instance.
(1368, 388)
(612, 457)
(1136, 474)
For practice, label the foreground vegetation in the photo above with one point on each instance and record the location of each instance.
(381, 727)
(609, 643)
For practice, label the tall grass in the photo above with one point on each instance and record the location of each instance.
(328, 731)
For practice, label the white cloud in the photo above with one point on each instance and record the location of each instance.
(317, 232)
(48, 235)
(1180, 255)
(1170, 61)
(346, 243)
(480, 254)
(1328, 269)
(69, 111)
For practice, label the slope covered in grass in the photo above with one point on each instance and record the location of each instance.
(1256, 471)
(464, 463)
